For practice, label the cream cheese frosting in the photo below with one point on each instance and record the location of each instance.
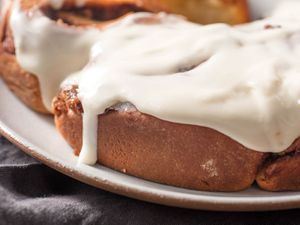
(243, 81)
(49, 50)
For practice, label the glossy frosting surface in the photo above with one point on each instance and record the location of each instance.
(50, 50)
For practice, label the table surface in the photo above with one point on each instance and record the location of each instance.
(32, 193)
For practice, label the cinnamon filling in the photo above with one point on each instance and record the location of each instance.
(90, 15)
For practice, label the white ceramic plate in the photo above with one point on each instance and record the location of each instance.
(37, 136)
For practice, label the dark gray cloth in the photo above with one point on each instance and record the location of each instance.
(31, 193)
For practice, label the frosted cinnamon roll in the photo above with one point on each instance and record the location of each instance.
(63, 30)
(202, 107)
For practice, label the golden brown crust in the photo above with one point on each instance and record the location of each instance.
(24, 85)
(181, 155)
(68, 109)
(281, 173)
(203, 11)
(141, 145)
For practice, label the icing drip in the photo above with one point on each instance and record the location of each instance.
(56, 4)
(50, 51)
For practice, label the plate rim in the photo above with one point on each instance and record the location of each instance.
(212, 203)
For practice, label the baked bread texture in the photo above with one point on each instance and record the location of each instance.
(203, 11)
(281, 172)
(141, 145)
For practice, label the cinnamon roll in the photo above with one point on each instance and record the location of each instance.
(211, 108)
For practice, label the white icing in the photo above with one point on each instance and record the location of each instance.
(50, 51)
(58, 4)
(246, 82)
(243, 81)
